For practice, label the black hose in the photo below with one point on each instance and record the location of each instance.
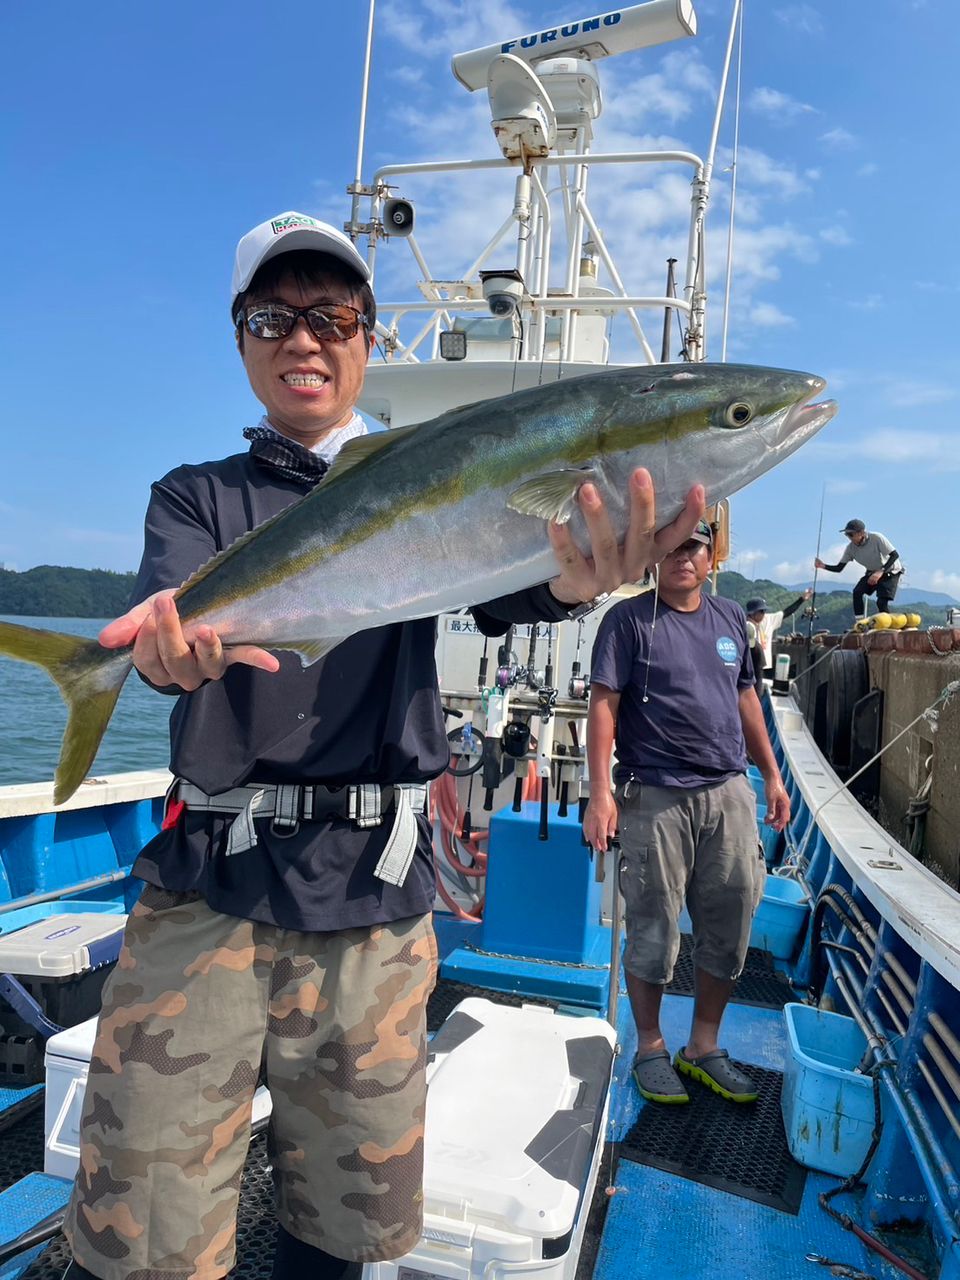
(856, 1179)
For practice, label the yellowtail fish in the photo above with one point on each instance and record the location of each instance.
(452, 512)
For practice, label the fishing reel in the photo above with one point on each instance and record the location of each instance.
(508, 664)
(546, 701)
(578, 686)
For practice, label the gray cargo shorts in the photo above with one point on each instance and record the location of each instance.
(197, 1001)
(694, 844)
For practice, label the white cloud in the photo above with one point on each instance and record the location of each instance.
(758, 169)
(871, 302)
(839, 139)
(779, 107)
(846, 486)
(793, 570)
(412, 76)
(938, 580)
(930, 450)
(836, 236)
(868, 170)
(907, 394)
(442, 25)
(801, 17)
(750, 556)
(766, 316)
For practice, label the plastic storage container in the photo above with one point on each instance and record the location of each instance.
(67, 1064)
(827, 1107)
(62, 962)
(516, 1115)
(781, 917)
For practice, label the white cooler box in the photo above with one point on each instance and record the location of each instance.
(67, 1063)
(516, 1118)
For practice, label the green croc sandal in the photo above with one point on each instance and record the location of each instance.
(657, 1080)
(718, 1073)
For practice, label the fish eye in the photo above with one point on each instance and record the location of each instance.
(737, 414)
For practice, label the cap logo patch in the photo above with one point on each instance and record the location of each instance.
(290, 223)
(727, 649)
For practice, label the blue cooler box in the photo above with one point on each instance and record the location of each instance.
(781, 917)
(827, 1106)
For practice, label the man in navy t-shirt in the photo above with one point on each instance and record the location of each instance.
(673, 684)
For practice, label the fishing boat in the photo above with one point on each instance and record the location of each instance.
(541, 1158)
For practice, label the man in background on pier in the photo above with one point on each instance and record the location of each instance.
(880, 559)
(672, 683)
(767, 624)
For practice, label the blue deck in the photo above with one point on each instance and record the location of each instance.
(657, 1223)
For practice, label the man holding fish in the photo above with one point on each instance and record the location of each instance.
(285, 925)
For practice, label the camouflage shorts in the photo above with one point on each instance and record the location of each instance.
(197, 1002)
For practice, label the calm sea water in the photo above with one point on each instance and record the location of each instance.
(33, 717)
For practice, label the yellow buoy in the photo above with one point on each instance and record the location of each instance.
(882, 621)
(898, 620)
(913, 619)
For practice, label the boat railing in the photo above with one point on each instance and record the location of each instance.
(83, 847)
(883, 945)
(531, 221)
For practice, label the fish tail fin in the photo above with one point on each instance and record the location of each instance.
(89, 678)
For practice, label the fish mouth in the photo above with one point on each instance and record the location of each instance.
(804, 419)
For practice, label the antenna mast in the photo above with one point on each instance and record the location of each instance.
(356, 189)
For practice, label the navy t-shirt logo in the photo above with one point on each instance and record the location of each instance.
(728, 651)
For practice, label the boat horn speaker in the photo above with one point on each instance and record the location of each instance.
(397, 217)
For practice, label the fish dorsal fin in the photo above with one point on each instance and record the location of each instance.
(310, 651)
(551, 496)
(363, 447)
(216, 560)
(353, 452)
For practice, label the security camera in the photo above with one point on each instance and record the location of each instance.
(503, 291)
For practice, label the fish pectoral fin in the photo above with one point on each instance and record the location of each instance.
(310, 651)
(551, 496)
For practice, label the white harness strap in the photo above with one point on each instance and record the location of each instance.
(394, 862)
(283, 804)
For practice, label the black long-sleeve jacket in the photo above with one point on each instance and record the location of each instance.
(370, 712)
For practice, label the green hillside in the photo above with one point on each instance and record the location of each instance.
(53, 591)
(834, 608)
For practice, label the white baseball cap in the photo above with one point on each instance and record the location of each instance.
(283, 234)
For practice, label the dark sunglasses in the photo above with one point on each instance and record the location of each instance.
(328, 321)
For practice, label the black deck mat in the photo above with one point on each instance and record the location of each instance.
(447, 995)
(597, 1214)
(21, 1149)
(738, 1148)
(256, 1227)
(759, 985)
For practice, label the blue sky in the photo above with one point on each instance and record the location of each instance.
(140, 141)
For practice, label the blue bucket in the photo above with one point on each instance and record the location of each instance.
(780, 918)
(827, 1107)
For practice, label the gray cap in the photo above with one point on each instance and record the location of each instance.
(854, 526)
(703, 533)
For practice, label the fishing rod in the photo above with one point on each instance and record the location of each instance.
(816, 569)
